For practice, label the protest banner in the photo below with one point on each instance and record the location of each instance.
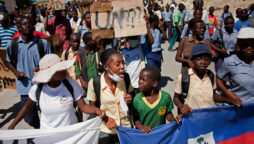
(81, 133)
(118, 18)
(220, 125)
(56, 4)
(7, 78)
(128, 18)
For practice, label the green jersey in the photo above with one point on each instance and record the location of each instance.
(178, 18)
(153, 115)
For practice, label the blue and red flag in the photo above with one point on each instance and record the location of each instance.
(220, 125)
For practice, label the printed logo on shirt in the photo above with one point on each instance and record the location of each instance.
(162, 110)
(64, 100)
(202, 139)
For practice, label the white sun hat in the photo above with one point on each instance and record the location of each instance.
(246, 33)
(49, 65)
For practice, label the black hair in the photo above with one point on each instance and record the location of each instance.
(153, 18)
(105, 56)
(155, 73)
(74, 11)
(198, 9)
(73, 35)
(226, 6)
(229, 17)
(193, 22)
(87, 37)
(5, 21)
(88, 12)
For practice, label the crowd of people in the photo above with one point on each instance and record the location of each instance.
(61, 71)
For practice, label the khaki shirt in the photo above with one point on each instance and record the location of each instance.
(72, 70)
(200, 94)
(110, 103)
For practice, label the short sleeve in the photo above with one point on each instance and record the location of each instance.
(170, 103)
(78, 91)
(175, 17)
(178, 84)
(187, 16)
(221, 18)
(223, 71)
(90, 92)
(8, 51)
(32, 91)
(46, 46)
(214, 83)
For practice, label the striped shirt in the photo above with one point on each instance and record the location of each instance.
(63, 30)
(7, 34)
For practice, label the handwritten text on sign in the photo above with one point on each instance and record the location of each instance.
(56, 4)
(7, 77)
(126, 18)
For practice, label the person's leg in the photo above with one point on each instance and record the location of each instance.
(32, 117)
(169, 31)
(173, 39)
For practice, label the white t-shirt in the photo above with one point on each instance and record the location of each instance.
(56, 104)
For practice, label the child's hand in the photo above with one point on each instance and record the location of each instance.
(185, 109)
(20, 75)
(99, 112)
(179, 118)
(110, 123)
(146, 129)
(127, 98)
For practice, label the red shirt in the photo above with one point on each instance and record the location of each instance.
(212, 22)
(63, 30)
(36, 34)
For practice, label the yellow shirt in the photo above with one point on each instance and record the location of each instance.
(72, 70)
(110, 103)
(200, 94)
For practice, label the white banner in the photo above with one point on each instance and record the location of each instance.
(81, 133)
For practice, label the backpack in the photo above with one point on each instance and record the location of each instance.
(69, 88)
(14, 50)
(219, 43)
(97, 87)
(66, 53)
(186, 84)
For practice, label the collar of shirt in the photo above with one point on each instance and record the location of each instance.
(224, 31)
(191, 73)
(105, 86)
(192, 40)
(238, 61)
(35, 39)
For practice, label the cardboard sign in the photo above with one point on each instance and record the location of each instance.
(118, 18)
(7, 78)
(102, 20)
(56, 4)
(128, 18)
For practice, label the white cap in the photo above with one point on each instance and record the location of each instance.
(172, 5)
(246, 33)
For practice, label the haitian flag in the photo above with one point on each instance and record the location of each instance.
(220, 125)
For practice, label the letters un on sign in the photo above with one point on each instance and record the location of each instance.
(118, 19)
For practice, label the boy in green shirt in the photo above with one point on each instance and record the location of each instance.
(151, 106)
